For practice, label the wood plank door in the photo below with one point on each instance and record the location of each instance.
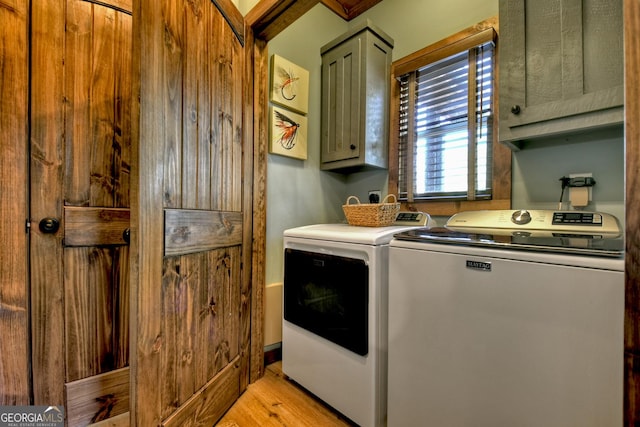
(14, 300)
(80, 180)
(191, 213)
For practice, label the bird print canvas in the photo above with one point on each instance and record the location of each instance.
(288, 130)
(289, 85)
(288, 133)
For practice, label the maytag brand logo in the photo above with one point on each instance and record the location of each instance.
(31, 416)
(479, 265)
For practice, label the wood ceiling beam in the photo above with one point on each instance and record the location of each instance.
(349, 9)
(269, 17)
(337, 7)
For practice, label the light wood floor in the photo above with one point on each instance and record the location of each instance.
(276, 401)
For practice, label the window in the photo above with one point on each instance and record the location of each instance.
(448, 134)
(443, 143)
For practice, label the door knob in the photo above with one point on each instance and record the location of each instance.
(49, 225)
(515, 109)
(352, 146)
(126, 235)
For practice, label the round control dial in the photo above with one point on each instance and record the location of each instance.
(521, 217)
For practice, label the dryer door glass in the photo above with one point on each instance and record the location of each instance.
(328, 295)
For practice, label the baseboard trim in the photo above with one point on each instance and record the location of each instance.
(272, 353)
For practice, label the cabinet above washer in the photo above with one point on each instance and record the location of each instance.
(355, 100)
(561, 68)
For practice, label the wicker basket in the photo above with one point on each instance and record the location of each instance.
(371, 214)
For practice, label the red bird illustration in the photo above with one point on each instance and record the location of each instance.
(288, 130)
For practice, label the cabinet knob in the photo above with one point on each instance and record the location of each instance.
(352, 146)
(515, 109)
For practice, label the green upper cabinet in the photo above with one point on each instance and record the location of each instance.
(355, 100)
(560, 68)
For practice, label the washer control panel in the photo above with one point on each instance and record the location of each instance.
(537, 220)
(578, 218)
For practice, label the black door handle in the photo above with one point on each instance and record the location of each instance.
(49, 225)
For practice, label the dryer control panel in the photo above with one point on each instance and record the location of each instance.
(419, 219)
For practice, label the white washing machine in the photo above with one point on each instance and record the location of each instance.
(334, 333)
(507, 318)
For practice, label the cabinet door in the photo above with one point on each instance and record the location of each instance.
(341, 76)
(561, 66)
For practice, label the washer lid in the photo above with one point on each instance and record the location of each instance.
(347, 233)
(577, 232)
(565, 243)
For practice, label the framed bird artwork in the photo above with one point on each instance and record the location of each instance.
(289, 85)
(288, 135)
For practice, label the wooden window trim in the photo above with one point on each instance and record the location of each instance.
(501, 183)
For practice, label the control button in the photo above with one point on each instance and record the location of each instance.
(521, 217)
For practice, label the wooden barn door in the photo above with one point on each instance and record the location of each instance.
(191, 213)
(80, 181)
(14, 299)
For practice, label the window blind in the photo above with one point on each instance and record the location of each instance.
(445, 128)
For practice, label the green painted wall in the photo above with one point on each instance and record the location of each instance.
(298, 193)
